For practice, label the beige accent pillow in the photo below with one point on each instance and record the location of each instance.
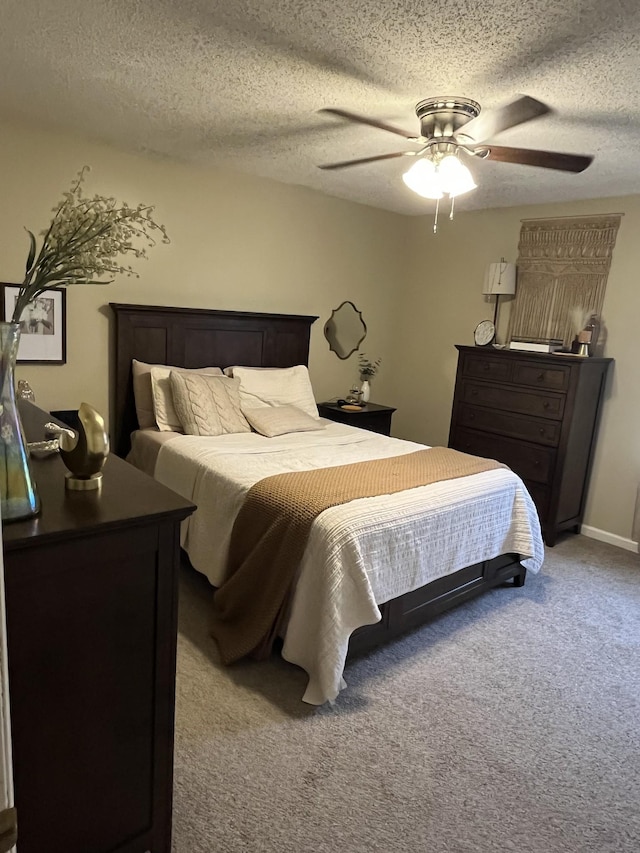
(143, 394)
(166, 418)
(276, 386)
(278, 420)
(207, 405)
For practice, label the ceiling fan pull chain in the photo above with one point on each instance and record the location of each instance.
(435, 221)
(453, 201)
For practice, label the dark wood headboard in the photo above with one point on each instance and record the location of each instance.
(197, 337)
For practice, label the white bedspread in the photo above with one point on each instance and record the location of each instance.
(359, 554)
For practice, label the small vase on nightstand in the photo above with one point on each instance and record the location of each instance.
(365, 391)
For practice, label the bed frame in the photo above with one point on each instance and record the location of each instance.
(194, 337)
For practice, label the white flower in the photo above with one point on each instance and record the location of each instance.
(6, 432)
(85, 241)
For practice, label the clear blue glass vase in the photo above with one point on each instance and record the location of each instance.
(19, 498)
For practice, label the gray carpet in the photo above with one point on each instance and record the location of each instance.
(509, 724)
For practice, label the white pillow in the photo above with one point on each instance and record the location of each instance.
(142, 394)
(278, 420)
(207, 405)
(276, 386)
(165, 417)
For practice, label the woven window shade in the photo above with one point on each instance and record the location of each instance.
(563, 265)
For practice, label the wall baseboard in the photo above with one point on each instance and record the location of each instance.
(610, 538)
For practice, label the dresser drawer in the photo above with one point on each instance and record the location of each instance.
(485, 366)
(552, 378)
(514, 400)
(527, 460)
(506, 423)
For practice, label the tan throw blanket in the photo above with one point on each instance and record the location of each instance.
(270, 534)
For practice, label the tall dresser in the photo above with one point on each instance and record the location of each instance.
(91, 600)
(538, 414)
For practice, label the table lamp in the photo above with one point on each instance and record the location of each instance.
(499, 280)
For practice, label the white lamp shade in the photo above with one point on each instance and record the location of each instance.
(455, 178)
(422, 178)
(434, 180)
(500, 279)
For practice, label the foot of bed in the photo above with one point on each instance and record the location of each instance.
(519, 579)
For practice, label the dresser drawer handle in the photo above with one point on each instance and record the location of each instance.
(540, 377)
(474, 392)
(486, 366)
(546, 404)
(536, 463)
(472, 417)
(542, 430)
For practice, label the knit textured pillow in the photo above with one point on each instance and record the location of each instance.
(152, 392)
(208, 405)
(279, 420)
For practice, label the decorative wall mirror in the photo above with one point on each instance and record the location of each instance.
(345, 330)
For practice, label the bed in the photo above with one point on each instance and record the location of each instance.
(381, 588)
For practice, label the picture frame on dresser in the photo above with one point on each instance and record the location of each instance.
(43, 325)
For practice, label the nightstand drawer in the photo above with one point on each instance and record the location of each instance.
(514, 400)
(553, 377)
(506, 423)
(527, 460)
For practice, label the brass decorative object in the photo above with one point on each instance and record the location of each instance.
(84, 451)
(41, 449)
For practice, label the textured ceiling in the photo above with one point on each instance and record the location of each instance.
(239, 83)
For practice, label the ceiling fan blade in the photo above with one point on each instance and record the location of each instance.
(370, 121)
(492, 122)
(545, 159)
(345, 163)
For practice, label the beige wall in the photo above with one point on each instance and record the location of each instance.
(251, 244)
(442, 304)
(238, 243)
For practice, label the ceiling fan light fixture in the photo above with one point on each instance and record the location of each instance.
(423, 179)
(455, 177)
(440, 176)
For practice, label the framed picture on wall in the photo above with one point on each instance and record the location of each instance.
(43, 336)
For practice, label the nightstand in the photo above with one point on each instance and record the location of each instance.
(372, 417)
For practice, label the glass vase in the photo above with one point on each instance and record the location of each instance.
(365, 391)
(18, 495)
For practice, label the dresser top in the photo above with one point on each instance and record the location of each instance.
(127, 497)
(558, 358)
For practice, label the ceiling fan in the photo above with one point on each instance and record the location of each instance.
(451, 126)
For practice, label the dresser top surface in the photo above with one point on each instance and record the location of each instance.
(127, 496)
(367, 408)
(557, 358)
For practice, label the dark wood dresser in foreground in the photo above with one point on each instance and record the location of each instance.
(91, 598)
(539, 415)
(372, 416)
